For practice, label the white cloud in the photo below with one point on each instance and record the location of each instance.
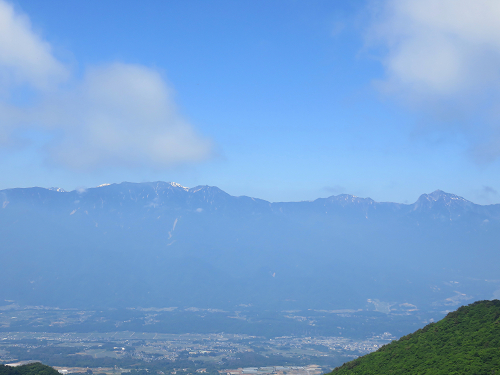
(24, 57)
(443, 56)
(121, 115)
(437, 46)
(116, 115)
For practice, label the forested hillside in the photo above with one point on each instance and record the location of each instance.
(466, 341)
(30, 369)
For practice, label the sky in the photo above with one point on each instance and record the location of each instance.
(279, 100)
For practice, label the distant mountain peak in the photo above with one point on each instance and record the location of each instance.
(439, 195)
(436, 194)
(443, 205)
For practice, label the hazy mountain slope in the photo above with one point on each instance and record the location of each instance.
(466, 341)
(159, 244)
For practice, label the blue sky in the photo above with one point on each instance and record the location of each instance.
(280, 100)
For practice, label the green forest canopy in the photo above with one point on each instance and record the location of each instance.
(29, 369)
(466, 341)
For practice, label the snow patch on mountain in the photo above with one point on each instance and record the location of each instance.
(60, 190)
(175, 184)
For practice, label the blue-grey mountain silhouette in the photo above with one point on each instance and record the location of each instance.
(160, 244)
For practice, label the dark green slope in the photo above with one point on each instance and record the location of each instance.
(31, 369)
(466, 341)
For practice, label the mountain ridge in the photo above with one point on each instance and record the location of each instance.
(434, 196)
(424, 203)
(203, 247)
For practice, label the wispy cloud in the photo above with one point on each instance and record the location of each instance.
(117, 115)
(487, 194)
(335, 189)
(442, 57)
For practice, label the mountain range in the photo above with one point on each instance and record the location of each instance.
(161, 244)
